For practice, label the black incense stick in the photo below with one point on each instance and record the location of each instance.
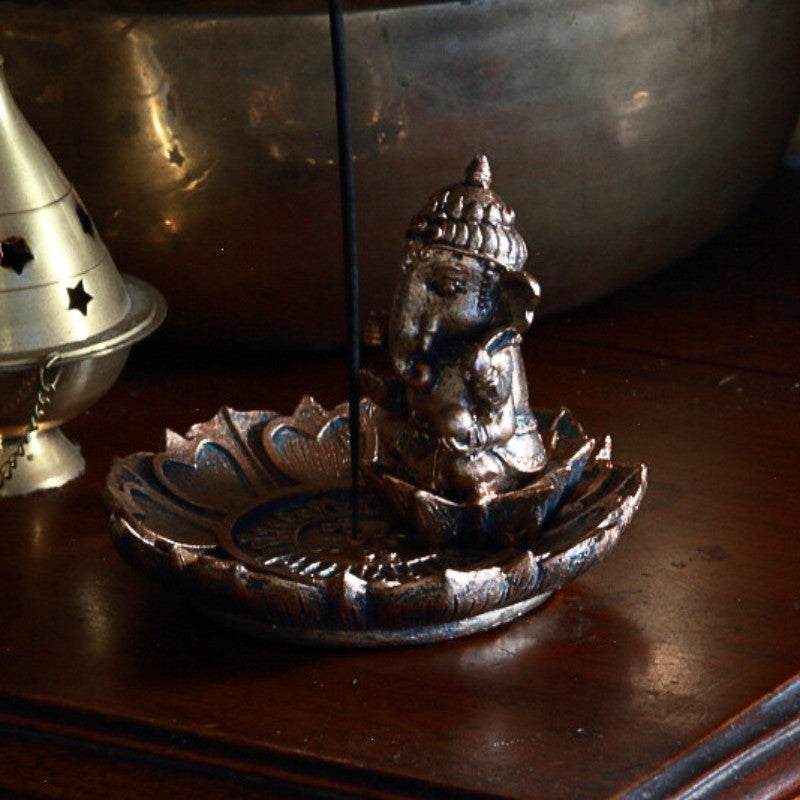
(348, 195)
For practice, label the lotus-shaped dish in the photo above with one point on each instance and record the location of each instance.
(497, 519)
(250, 515)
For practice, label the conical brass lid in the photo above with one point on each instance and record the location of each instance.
(30, 179)
(59, 289)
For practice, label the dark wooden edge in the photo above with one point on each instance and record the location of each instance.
(293, 774)
(746, 747)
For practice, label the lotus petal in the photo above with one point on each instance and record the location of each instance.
(173, 514)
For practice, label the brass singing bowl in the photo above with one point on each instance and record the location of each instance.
(624, 133)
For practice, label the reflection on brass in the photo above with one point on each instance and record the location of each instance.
(478, 507)
(137, 141)
(62, 305)
(627, 133)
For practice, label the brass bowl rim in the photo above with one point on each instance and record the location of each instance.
(212, 9)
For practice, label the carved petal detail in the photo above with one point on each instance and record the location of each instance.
(313, 445)
(218, 465)
(171, 512)
(133, 490)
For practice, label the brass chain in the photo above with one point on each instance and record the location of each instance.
(44, 396)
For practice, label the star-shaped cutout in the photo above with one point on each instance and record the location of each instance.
(15, 254)
(175, 156)
(78, 298)
(84, 219)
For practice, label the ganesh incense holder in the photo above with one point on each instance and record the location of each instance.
(473, 506)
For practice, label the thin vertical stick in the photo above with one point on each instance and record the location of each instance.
(347, 188)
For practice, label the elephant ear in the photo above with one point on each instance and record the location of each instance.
(521, 295)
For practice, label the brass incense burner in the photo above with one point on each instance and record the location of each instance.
(67, 317)
(475, 506)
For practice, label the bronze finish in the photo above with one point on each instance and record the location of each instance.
(460, 456)
(486, 507)
(456, 422)
(249, 513)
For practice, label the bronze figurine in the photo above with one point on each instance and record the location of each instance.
(485, 505)
(457, 420)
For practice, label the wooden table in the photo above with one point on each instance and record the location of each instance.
(112, 686)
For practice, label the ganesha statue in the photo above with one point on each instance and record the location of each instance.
(475, 509)
(454, 419)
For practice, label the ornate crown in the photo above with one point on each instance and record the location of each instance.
(470, 218)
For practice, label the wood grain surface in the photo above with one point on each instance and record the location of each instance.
(112, 686)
